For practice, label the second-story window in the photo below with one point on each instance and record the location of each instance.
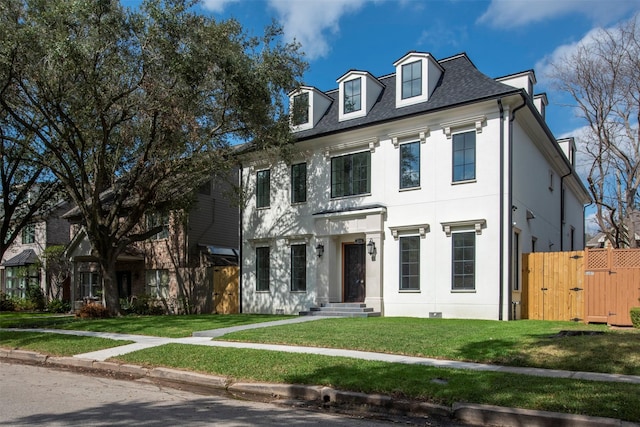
(299, 183)
(412, 80)
(352, 96)
(464, 156)
(263, 188)
(351, 174)
(158, 219)
(29, 234)
(410, 165)
(300, 114)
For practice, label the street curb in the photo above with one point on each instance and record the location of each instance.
(472, 414)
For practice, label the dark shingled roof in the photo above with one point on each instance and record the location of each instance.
(26, 257)
(461, 83)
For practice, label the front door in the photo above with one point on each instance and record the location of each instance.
(124, 283)
(354, 272)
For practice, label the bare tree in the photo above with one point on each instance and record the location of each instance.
(133, 109)
(602, 75)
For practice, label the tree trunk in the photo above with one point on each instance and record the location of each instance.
(110, 296)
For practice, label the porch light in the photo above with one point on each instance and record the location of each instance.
(371, 247)
(320, 249)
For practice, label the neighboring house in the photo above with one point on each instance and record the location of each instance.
(415, 193)
(599, 240)
(172, 266)
(21, 264)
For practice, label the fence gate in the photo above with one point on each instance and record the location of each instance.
(226, 285)
(612, 285)
(552, 286)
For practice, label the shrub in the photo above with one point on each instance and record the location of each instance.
(6, 303)
(635, 317)
(142, 305)
(36, 297)
(58, 306)
(92, 311)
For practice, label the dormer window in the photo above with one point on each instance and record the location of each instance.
(417, 75)
(352, 95)
(358, 92)
(412, 80)
(300, 109)
(306, 106)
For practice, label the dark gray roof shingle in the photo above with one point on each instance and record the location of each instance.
(461, 83)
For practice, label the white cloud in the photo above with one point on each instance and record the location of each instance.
(513, 13)
(217, 6)
(309, 21)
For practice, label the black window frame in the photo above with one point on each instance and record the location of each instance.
(299, 267)
(346, 174)
(463, 261)
(263, 189)
(463, 147)
(350, 105)
(263, 268)
(411, 84)
(409, 263)
(299, 182)
(28, 235)
(300, 113)
(414, 169)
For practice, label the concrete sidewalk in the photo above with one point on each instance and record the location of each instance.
(205, 338)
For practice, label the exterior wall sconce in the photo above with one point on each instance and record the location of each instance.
(320, 249)
(371, 248)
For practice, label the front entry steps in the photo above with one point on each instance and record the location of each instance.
(342, 309)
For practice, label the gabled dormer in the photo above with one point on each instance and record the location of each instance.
(524, 80)
(417, 75)
(568, 146)
(307, 105)
(358, 91)
(540, 101)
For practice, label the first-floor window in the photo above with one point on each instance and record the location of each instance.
(158, 283)
(410, 263)
(299, 267)
(90, 286)
(464, 261)
(18, 279)
(262, 268)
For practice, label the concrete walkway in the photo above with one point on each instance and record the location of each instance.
(206, 338)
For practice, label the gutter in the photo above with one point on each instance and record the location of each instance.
(240, 246)
(501, 239)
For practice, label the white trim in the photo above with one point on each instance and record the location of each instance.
(476, 224)
(422, 229)
(422, 134)
(369, 143)
(477, 122)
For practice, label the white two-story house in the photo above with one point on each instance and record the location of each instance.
(415, 193)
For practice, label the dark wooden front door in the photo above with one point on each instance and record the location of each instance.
(354, 272)
(124, 283)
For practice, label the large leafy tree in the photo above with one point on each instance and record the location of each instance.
(132, 109)
(602, 75)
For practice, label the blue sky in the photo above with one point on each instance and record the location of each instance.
(501, 37)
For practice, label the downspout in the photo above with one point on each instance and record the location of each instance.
(501, 244)
(510, 214)
(562, 210)
(240, 258)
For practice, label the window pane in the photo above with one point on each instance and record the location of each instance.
(351, 174)
(299, 183)
(464, 156)
(410, 263)
(463, 260)
(263, 188)
(300, 109)
(410, 165)
(412, 80)
(299, 267)
(352, 96)
(262, 268)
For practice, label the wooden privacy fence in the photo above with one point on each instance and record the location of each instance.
(226, 290)
(595, 285)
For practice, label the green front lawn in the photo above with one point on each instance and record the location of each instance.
(161, 326)
(438, 385)
(54, 344)
(517, 343)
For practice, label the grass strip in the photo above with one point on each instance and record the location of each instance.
(531, 343)
(54, 344)
(438, 385)
(160, 326)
